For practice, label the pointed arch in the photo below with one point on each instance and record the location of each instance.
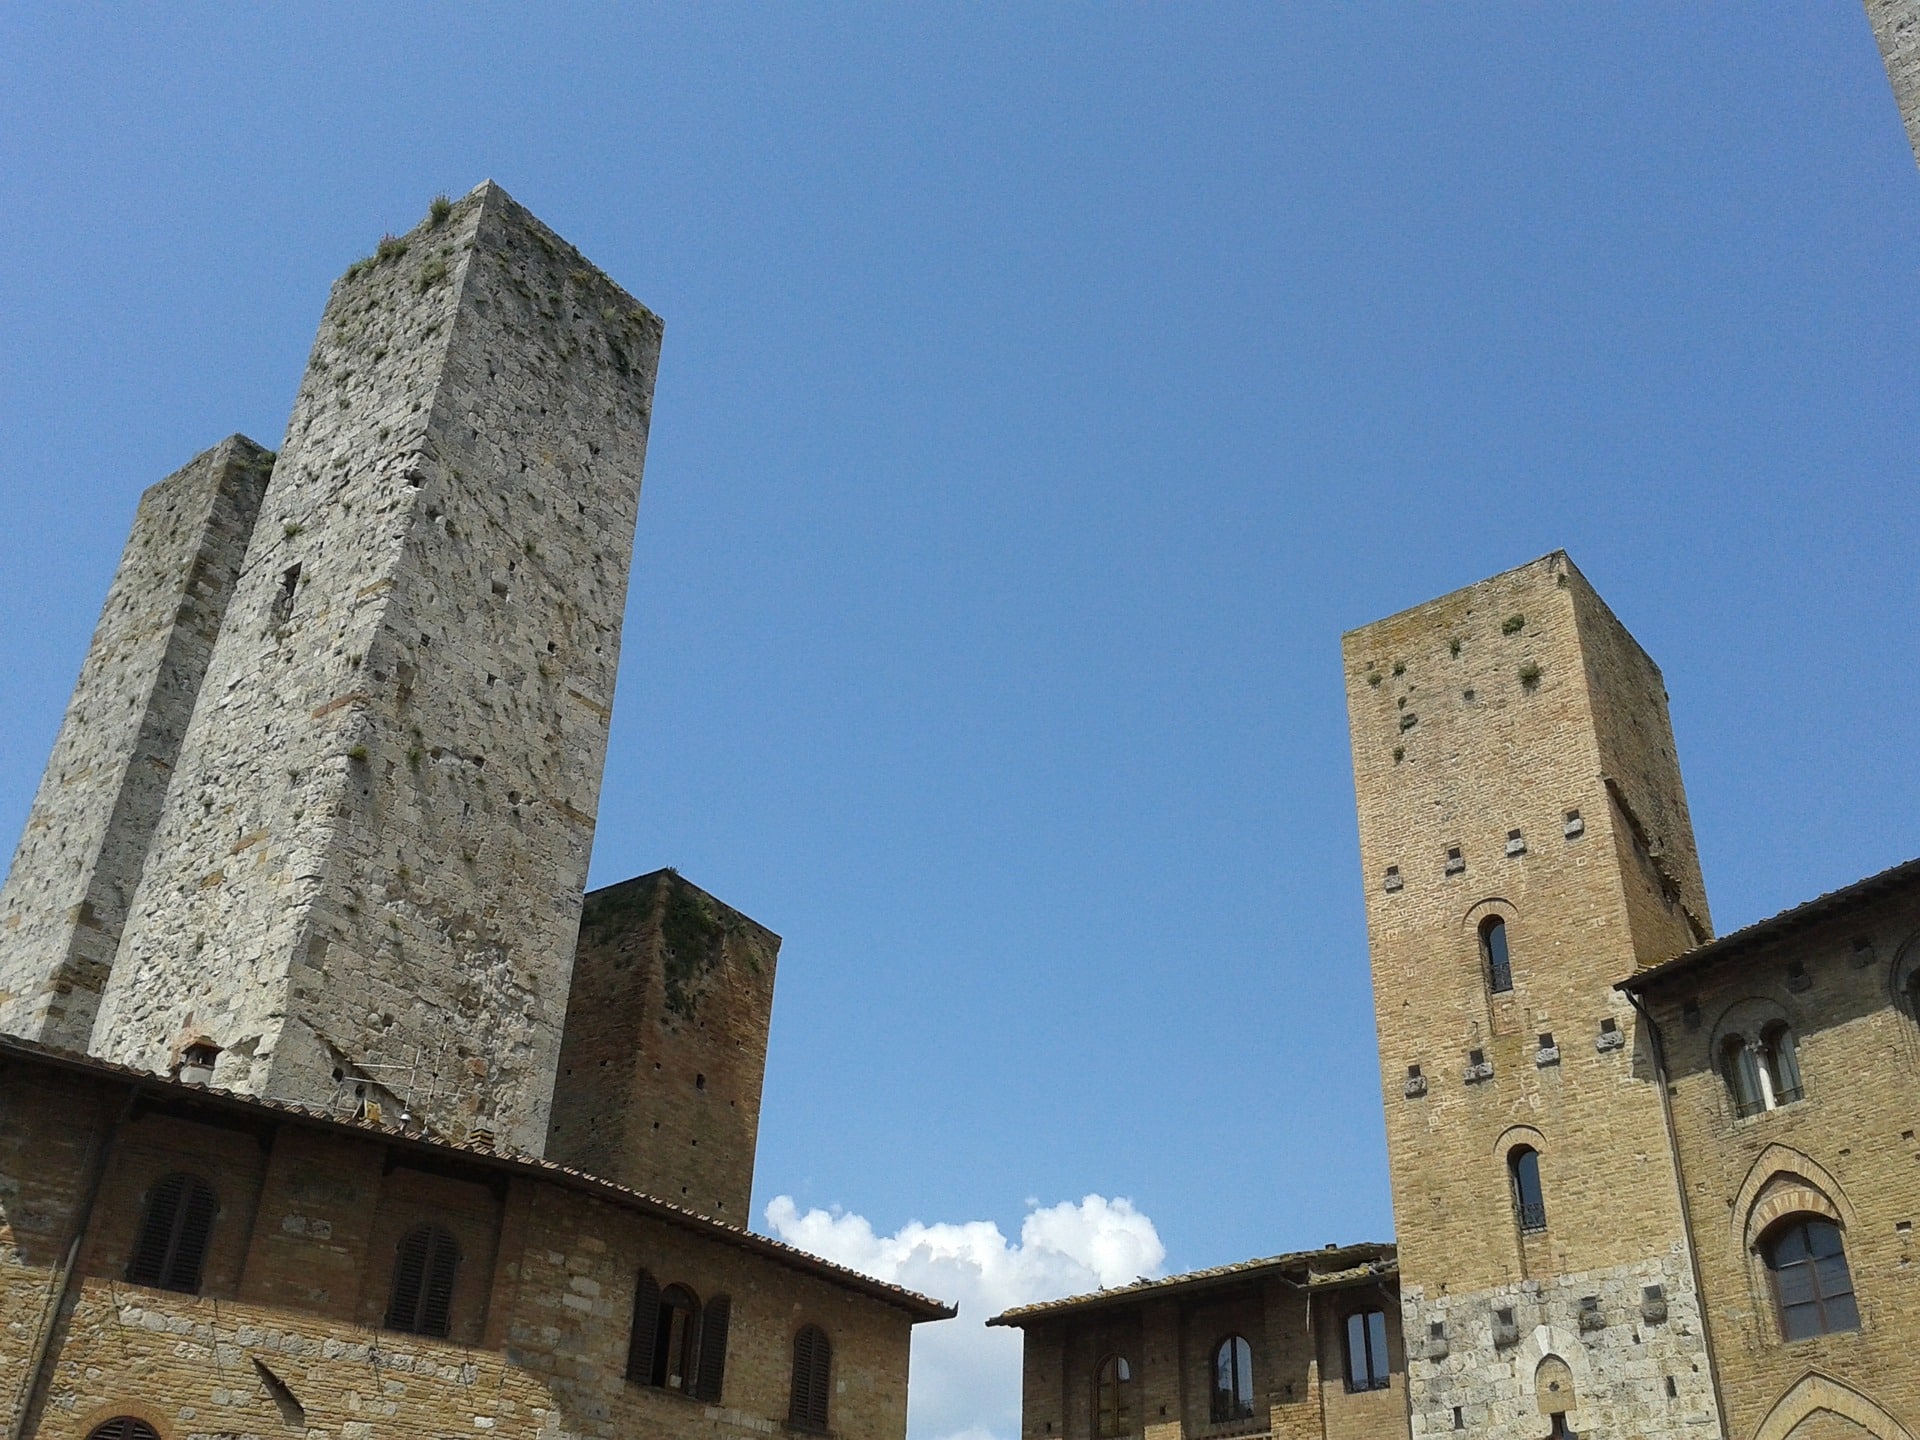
(1779, 1178)
(1814, 1392)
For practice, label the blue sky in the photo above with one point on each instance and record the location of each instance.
(1045, 389)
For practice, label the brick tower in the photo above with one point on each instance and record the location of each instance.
(1526, 843)
(86, 839)
(366, 878)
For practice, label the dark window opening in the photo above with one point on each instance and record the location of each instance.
(422, 1301)
(124, 1427)
(812, 1371)
(1493, 950)
(1367, 1350)
(171, 1248)
(1113, 1398)
(1232, 1380)
(1529, 1204)
(283, 602)
(1812, 1286)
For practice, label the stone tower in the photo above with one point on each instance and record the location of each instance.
(365, 881)
(666, 1045)
(1526, 843)
(86, 839)
(1896, 29)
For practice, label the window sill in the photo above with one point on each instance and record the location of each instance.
(1784, 1107)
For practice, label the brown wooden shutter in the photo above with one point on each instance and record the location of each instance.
(124, 1427)
(149, 1260)
(436, 1305)
(190, 1236)
(409, 1277)
(713, 1349)
(812, 1362)
(646, 1316)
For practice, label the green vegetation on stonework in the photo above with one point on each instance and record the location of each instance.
(1513, 624)
(1529, 674)
(439, 210)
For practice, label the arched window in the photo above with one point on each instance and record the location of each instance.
(171, 1247)
(1781, 1057)
(1113, 1398)
(1232, 1380)
(1812, 1287)
(1493, 951)
(124, 1427)
(1529, 1203)
(1911, 989)
(1742, 1069)
(812, 1373)
(422, 1301)
(1367, 1350)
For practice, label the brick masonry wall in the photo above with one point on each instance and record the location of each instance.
(87, 834)
(1299, 1363)
(1504, 707)
(665, 1044)
(1851, 1139)
(285, 1337)
(368, 872)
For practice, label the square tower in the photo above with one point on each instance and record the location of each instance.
(367, 875)
(1525, 842)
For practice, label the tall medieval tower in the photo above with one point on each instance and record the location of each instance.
(1526, 843)
(367, 869)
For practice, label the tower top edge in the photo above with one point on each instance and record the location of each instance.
(1554, 561)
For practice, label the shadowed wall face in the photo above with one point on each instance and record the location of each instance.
(367, 877)
(88, 833)
(666, 1045)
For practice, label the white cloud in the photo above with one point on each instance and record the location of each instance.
(965, 1382)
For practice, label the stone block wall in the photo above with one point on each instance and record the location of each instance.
(1896, 29)
(86, 839)
(1513, 758)
(666, 1044)
(366, 879)
(1847, 1151)
(286, 1334)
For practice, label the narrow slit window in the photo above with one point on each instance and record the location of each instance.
(1493, 951)
(1529, 1202)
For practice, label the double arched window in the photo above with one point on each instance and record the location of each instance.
(1113, 1398)
(1529, 1201)
(423, 1271)
(1764, 1073)
(1806, 1261)
(1232, 1380)
(812, 1377)
(1494, 955)
(676, 1343)
(171, 1248)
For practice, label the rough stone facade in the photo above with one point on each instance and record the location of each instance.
(1513, 760)
(367, 876)
(79, 860)
(1896, 29)
(1293, 1311)
(1839, 972)
(666, 1044)
(287, 1334)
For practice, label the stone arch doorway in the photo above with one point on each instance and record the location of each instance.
(1819, 1407)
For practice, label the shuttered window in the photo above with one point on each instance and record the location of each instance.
(646, 1321)
(422, 1302)
(711, 1372)
(171, 1247)
(124, 1427)
(812, 1369)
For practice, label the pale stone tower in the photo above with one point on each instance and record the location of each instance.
(1526, 843)
(366, 879)
(86, 839)
(1896, 29)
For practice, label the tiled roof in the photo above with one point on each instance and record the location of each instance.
(920, 1307)
(1823, 907)
(1333, 1265)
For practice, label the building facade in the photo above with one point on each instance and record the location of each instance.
(325, 1113)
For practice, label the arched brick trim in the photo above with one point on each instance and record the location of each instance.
(1814, 1392)
(1517, 1135)
(1491, 905)
(1786, 1196)
(1747, 1018)
(1906, 959)
(1779, 1166)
